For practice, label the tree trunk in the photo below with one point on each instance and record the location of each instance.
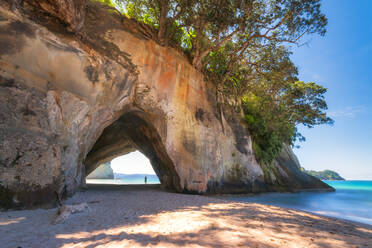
(163, 23)
(197, 62)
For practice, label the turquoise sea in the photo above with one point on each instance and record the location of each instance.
(352, 200)
(127, 179)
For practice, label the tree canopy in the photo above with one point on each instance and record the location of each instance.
(243, 47)
(207, 25)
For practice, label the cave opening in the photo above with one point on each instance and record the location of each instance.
(133, 137)
(132, 168)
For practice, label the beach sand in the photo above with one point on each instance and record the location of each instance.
(145, 216)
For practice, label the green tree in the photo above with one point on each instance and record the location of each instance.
(273, 119)
(164, 16)
(276, 102)
(210, 24)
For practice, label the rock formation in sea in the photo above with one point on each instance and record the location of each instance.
(103, 171)
(81, 85)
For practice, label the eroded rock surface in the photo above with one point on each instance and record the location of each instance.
(71, 101)
(104, 171)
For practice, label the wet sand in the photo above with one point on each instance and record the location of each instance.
(145, 216)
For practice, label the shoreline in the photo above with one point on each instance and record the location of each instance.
(145, 216)
(318, 203)
(348, 221)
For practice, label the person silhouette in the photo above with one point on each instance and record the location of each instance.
(145, 179)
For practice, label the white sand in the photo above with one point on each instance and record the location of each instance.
(138, 216)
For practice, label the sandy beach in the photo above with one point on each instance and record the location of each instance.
(145, 216)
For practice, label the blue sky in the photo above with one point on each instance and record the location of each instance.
(342, 62)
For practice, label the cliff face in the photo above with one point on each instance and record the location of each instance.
(72, 101)
(103, 171)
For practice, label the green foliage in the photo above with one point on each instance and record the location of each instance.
(136, 10)
(324, 175)
(277, 102)
(268, 133)
(204, 26)
(107, 2)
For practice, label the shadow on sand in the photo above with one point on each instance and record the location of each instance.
(146, 216)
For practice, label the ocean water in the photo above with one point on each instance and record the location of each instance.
(352, 200)
(126, 179)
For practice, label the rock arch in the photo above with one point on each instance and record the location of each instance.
(129, 133)
(63, 95)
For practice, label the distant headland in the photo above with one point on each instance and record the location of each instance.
(324, 175)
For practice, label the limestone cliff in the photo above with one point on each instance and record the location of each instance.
(104, 171)
(78, 89)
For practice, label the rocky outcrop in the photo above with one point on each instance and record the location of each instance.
(70, 13)
(286, 170)
(72, 101)
(104, 171)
